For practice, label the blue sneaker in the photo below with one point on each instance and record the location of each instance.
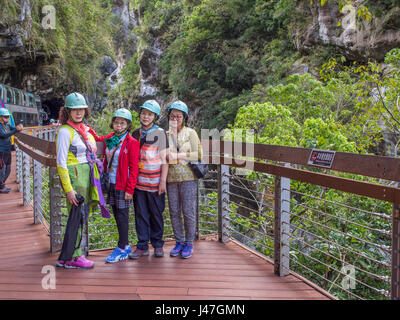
(177, 249)
(117, 255)
(128, 250)
(187, 251)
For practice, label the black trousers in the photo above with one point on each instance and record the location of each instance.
(5, 167)
(122, 220)
(149, 223)
(78, 216)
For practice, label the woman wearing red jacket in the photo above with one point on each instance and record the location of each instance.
(121, 161)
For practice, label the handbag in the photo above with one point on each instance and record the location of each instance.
(199, 168)
(105, 182)
(105, 177)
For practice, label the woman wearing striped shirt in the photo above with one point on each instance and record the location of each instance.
(149, 196)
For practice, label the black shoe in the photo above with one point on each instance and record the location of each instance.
(138, 253)
(159, 252)
(5, 190)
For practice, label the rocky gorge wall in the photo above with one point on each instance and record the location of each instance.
(313, 26)
(358, 39)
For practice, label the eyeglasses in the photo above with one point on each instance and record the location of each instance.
(117, 123)
(175, 117)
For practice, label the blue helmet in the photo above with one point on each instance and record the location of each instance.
(123, 113)
(4, 112)
(179, 105)
(153, 106)
(75, 101)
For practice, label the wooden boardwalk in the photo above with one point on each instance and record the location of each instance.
(216, 271)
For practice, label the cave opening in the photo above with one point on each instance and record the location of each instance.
(52, 107)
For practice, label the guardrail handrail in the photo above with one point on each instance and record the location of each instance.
(279, 161)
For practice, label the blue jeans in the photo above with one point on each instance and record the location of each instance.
(5, 167)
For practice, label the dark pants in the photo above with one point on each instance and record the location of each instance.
(122, 219)
(149, 207)
(78, 217)
(5, 167)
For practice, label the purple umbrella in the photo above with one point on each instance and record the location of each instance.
(96, 169)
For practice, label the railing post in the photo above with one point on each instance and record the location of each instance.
(223, 203)
(198, 212)
(26, 178)
(37, 191)
(282, 226)
(19, 163)
(55, 210)
(17, 155)
(37, 188)
(395, 282)
(85, 239)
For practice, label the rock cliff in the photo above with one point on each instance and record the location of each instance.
(313, 26)
(356, 38)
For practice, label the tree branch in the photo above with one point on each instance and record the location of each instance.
(384, 105)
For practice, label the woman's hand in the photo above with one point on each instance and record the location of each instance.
(71, 196)
(173, 156)
(94, 147)
(162, 187)
(128, 196)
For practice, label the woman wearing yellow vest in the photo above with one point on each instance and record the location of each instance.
(72, 142)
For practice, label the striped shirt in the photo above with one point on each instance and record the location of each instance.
(150, 161)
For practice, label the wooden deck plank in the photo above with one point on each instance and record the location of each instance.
(6, 276)
(112, 296)
(119, 283)
(187, 297)
(216, 271)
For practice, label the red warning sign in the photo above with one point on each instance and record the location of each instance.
(321, 158)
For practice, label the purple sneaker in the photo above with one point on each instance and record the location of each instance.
(79, 263)
(187, 251)
(177, 249)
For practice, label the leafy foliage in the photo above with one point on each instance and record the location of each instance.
(81, 36)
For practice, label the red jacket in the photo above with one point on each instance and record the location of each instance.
(128, 162)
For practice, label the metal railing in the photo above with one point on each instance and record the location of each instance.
(337, 227)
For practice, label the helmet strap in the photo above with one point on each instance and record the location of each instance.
(120, 133)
